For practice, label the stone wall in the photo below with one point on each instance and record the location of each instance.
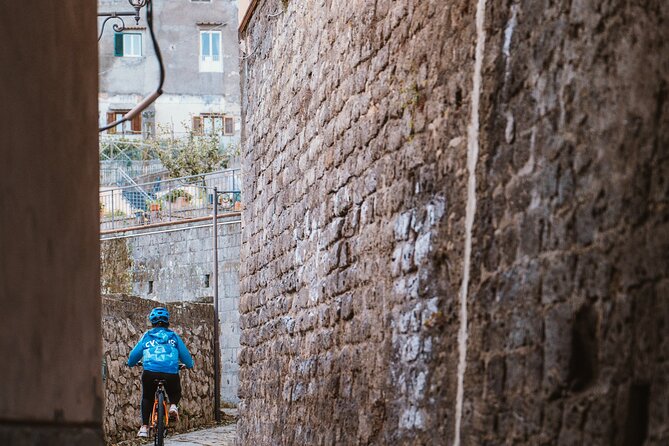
(124, 320)
(176, 267)
(116, 267)
(173, 266)
(458, 228)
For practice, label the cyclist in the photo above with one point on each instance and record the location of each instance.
(160, 350)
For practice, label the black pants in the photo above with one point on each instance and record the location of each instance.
(149, 386)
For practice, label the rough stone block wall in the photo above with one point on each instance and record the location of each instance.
(374, 132)
(179, 264)
(180, 269)
(568, 305)
(124, 320)
(116, 267)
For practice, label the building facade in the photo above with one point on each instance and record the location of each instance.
(199, 46)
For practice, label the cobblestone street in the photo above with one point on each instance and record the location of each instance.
(217, 436)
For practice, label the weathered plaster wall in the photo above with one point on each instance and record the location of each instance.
(178, 265)
(178, 34)
(386, 143)
(124, 320)
(187, 90)
(50, 387)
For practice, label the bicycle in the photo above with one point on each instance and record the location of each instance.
(159, 415)
(160, 420)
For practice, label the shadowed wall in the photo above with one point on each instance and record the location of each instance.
(49, 255)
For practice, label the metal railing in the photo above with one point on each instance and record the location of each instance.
(115, 172)
(170, 200)
(123, 148)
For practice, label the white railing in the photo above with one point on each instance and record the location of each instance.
(169, 200)
(114, 172)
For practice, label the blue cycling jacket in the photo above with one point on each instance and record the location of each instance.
(160, 349)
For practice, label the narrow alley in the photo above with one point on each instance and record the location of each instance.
(217, 436)
(354, 222)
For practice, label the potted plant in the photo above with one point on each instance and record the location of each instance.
(179, 197)
(155, 205)
(225, 202)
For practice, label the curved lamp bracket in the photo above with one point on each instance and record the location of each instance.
(149, 99)
(118, 27)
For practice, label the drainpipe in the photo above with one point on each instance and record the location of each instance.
(217, 348)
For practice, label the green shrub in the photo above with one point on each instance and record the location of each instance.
(176, 193)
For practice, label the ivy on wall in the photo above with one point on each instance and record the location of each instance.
(115, 267)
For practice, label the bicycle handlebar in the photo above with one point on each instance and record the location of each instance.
(182, 366)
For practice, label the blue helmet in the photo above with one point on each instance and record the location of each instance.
(159, 314)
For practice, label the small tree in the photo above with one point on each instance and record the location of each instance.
(190, 155)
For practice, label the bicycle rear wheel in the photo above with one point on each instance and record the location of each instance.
(159, 438)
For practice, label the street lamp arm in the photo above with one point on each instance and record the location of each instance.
(150, 99)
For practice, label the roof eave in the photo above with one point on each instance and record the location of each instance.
(247, 17)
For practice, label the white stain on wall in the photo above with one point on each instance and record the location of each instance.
(472, 158)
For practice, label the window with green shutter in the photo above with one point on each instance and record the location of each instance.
(118, 45)
(128, 45)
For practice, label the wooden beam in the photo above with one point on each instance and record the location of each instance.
(247, 17)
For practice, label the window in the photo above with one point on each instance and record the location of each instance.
(210, 51)
(128, 45)
(127, 128)
(213, 123)
(229, 128)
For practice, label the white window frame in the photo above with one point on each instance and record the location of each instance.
(207, 62)
(132, 45)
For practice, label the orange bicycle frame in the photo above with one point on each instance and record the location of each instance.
(154, 413)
